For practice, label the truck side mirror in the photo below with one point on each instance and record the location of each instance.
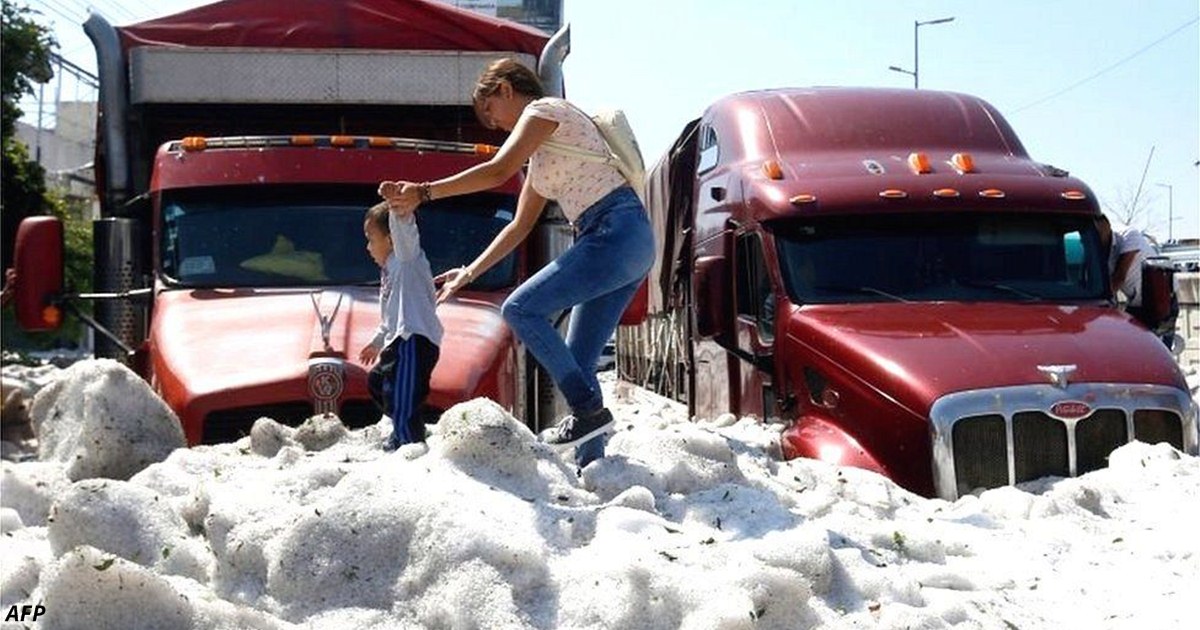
(1159, 304)
(710, 296)
(38, 259)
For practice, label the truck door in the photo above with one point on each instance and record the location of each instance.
(754, 328)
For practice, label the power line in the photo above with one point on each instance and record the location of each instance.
(146, 9)
(1109, 68)
(84, 46)
(83, 8)
(116, 9)
(76, 12)
(58, 9)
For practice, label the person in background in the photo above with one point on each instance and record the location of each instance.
(10, 286)
(410, 334)
(1128, 250)
(596, 277)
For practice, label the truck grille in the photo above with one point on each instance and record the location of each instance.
(228, 425)
(996, 437)
(360, 413)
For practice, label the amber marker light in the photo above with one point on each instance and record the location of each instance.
(341, 141)
(486, 149)
(772, 169)
(802, 199)
(1074, 195)
(919, 163)
(945, 193)
(992, 193)
(52, 316)
(194, 143)
(893, 193)
(963, 162)
(303, 141)
(377, 142)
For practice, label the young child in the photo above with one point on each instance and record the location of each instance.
(406, 344)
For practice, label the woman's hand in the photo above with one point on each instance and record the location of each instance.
(450, 281)
(402, 197)
(368, 354)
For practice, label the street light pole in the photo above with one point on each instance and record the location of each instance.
(1170, 211)
(917, 50)
(916, 55)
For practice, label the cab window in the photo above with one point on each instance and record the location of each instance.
(709, 149)
(755, 298)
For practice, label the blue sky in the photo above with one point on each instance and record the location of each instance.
(1092, 86)
(665, 61)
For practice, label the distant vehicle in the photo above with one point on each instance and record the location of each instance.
(1184, 258)
(891, 274)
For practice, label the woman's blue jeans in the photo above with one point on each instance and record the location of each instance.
(595, 278)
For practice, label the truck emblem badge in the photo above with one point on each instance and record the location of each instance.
(1059, 375)
(326, 380)
(326, 322)
(1070, 410)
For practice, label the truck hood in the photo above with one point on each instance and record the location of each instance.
(217, 341)
(917, 353)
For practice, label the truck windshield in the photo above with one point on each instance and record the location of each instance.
(940, 257)
(262, 237)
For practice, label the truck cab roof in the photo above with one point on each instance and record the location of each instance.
(363, 24)
(804, 150)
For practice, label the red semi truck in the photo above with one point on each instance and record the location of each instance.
(239, 145)
(890, 273)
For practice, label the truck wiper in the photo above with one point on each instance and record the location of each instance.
(866, 290)
(979, 284)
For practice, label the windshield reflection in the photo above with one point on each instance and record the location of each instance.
(313, 236)
(940, 257)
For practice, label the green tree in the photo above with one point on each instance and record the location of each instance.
(25, 47)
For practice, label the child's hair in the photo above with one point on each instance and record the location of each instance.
(522, 79)
(377, 216)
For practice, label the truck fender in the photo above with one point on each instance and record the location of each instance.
(816, 437)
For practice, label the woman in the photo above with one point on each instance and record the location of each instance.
(596, 277)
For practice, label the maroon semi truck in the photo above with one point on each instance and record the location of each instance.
(239, 145)
(889, 273)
